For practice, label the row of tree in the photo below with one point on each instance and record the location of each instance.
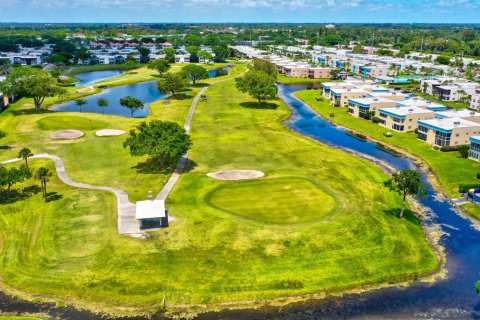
(14, 175)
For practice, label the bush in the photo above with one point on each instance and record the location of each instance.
(332, 115)
(375, 119)
(478, 176)
(450, 148)
(415, 131)
(388, 134)
(465, 187)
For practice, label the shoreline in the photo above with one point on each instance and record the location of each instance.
(196, 309)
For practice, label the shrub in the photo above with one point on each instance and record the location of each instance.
(332, 115)
(464, 151)
(450, 148)
(478, 176)
(465, 187)
(375, 119)
(415, 131)
(388, 134)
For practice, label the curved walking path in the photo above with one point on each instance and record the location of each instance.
(183, 160)
(126, 222)
(126, 210)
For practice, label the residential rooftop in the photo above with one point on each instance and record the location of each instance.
(461, 113)
(448, 123)
(404, 111)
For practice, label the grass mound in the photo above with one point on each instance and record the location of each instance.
(279, 201)
(69, 122)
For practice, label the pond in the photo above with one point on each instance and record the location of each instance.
(147, 92)
(89, 78)
(213, 73)
(451, 298)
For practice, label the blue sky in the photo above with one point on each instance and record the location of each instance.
(436, 11)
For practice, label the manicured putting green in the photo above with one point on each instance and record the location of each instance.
(70, 122)
(280, 200)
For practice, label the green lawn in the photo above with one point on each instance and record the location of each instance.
(449, 168)
(288, 200)
(331, 225)
(283, 79)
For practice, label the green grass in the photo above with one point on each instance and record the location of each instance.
(69, 249)
(450, 169)
(283, 79)
(288, 200)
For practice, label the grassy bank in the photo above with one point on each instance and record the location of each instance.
(320, 221)
(283, 79)
(449, 168)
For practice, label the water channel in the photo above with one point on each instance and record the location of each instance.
(451, 298)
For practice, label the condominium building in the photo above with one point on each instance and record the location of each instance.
(403, 119)
(459, 113)
(340, 97)
(475, 101)
(422, 103)
(367, 107)
(455, 92)
(447, 131)
(474, 152)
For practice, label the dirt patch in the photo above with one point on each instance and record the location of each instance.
(235, 174)
(109, 133)
(66, 134)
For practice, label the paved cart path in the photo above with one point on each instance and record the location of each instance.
(125, 209)
(183, 160)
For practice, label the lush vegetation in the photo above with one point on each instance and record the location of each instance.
(311, 225)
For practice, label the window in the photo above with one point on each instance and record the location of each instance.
(397, 127)
(442, 139)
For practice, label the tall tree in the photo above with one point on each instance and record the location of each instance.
(406, 182)
(265, 66)
(12, 176)
(144, 52)
(4, 66)
(102, 103)
(173, 83)
(24, 154)
(195, 73)
(258, 84)
(159, 65)
(205, 55)
(164, 140)
(32, 83)
(43, 175)
(169, 54)
(80, 103)
(131, 103)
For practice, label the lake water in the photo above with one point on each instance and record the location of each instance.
(147, 92)
(89, 78)
(450, 298)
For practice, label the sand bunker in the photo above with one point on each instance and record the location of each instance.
(235, 174)
(109, 133)
(66, 134)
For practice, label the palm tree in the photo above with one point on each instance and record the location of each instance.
(43, 175)
(25, 153)
(102, 103)
(80, 103)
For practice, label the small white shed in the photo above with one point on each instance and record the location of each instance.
(151, 214)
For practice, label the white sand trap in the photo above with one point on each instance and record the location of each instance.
(67, 134)
(236, 174)
(109, 132)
